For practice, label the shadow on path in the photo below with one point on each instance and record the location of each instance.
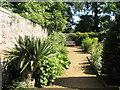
(78, 82)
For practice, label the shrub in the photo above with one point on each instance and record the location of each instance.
(57, 38)
(88, 44)
(93, 34)
(92, 46)
(78, 36)
(111, 56)
(47, 71)
(59, 49)
(44, 59)
(96, 56)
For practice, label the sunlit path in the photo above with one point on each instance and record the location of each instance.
(80, 74)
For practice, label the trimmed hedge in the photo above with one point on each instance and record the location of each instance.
(78, 36)
(92, 46)
(89, 44)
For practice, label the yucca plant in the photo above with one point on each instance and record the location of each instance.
(26, 54)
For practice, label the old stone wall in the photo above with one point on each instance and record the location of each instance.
(13, 25)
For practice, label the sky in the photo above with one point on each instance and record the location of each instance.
(76, 18)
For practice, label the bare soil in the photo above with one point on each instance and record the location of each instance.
(80, 73)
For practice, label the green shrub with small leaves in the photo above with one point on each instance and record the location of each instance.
(78, 36)
(57, 39)
(89, 44)
(92, 46)
(96, 57)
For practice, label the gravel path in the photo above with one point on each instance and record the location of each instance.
(80, 74)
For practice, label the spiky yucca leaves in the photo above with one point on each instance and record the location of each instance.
(26, 54)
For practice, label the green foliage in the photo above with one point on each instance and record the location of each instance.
(85, 24)
(78, 36)
(111, 56)
(24, 57)
(97, 16)
(92, 46)
(50, 68)
(8, 87)
(47, 71)
(57, 39)
(96, 56)
(45, 59)
(51, 15)
(88, 44)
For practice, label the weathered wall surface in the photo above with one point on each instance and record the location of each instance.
(13, 25)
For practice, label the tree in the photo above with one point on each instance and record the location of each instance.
(85, 24)
(74, 8)
(111, 56)
(99, 14)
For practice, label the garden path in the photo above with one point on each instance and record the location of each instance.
(80, 74)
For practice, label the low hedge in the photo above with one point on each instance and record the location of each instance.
(92, 46)
(78, 36)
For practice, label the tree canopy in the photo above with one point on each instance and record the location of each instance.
(58, 16)
(96, 17)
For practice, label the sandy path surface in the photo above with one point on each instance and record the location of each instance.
(80, 74)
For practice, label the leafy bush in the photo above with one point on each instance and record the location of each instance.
(47, 71)
(57, 38)
(78, 36)
(93, 34)
(92, 46)
(96, 56)
(89, 44)
(111, 56)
